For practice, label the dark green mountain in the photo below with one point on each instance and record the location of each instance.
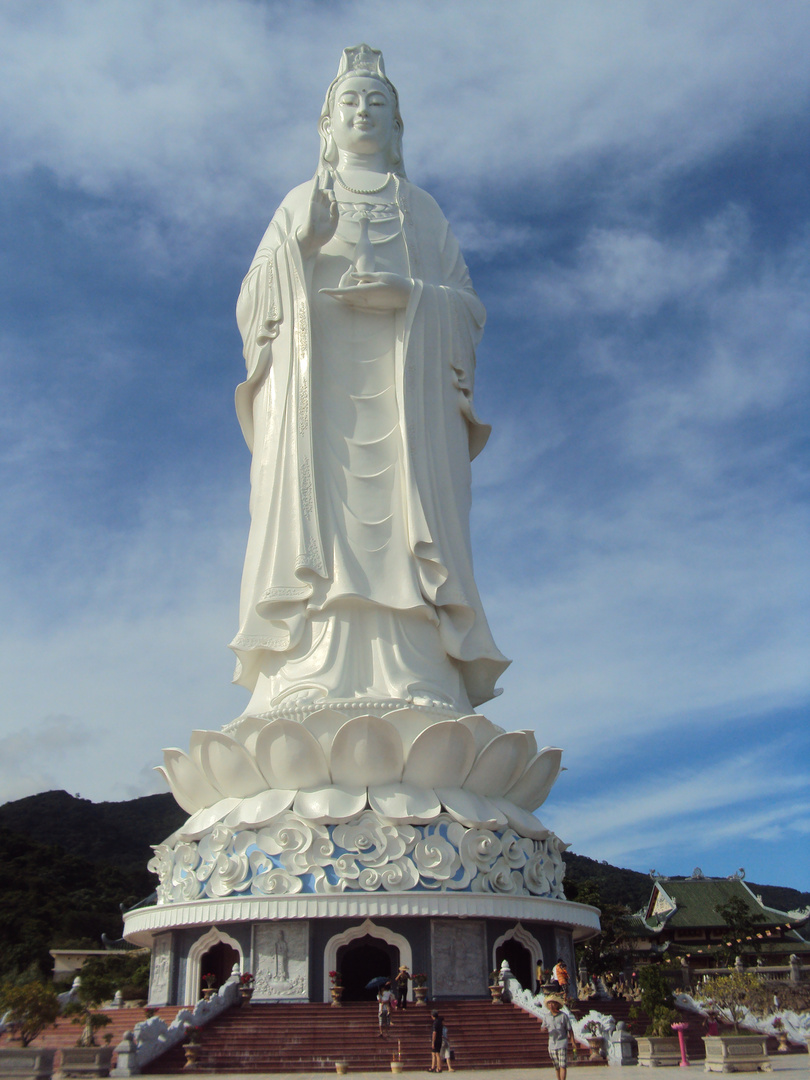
(69, 864)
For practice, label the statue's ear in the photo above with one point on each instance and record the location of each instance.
(325, 126)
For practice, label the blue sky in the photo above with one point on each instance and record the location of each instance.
(630, 183)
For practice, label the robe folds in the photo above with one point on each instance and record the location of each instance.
(290, 573)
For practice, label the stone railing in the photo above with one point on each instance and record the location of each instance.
(795, 1025)
(615, 1040)
(154, 1036)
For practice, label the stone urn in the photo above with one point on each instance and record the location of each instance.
(397, 1066)
(246, 993)
(208, 992)
(341, 1067)
(496, 990)
(420, 993)
(784, 1045)
(336, 993)
(192, 1052)
(595, 1047)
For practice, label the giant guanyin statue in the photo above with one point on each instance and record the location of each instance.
(359, 763)
(360, 327)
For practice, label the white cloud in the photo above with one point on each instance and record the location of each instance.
(202, 106)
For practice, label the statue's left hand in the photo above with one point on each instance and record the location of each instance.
(377, 291)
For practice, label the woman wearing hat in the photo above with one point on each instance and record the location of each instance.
(401, 983)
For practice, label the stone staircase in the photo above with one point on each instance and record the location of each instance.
(310, 1038)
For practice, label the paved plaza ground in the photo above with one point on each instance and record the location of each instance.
(790, 1067)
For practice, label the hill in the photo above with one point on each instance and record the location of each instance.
(70, 865)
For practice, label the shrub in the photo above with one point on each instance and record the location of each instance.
(32, 1007)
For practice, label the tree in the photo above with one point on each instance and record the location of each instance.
(606, 952)
(732, 995)
(31, 1007)
(741, 926)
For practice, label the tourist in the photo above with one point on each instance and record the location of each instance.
(384, 999)
(446, 1053)
(436, 1042)
(561, 977)
(402, 986)
(560, 1034)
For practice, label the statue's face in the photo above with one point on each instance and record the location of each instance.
(363, 118)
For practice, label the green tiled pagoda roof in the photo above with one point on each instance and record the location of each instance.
(698, 898)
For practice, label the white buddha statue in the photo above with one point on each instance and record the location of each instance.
(360, 325)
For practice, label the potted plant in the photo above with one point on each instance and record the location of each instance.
(336, 990)
(495, 987)
(658, 1045)
(779, 1028)
(209, 988)
(420, 988)
(732, 996)
(592, 1030)
(191, 1045)
(246, 985)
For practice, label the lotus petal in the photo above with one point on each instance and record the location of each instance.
(532, 789)
(201, 822)
(404, 802)
(289, 756)
(329, 804)
(410, 723)
(499, 764)
(440, 756)
(189, 786)
(228, 765)
(483, 730)
(260, 809)
(524, 823)
(366, 750)
(474, 811)
(530, 735)
(247, 730)
(324, 725)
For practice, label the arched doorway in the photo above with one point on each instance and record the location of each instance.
(362, 960)
(521, 950)
(519, 960)
(198, 955)
(218, 961)
(380, 936)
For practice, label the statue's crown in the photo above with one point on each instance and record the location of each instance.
(361, 60)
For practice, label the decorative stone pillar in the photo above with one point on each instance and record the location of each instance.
(459, 958)
(161, 971)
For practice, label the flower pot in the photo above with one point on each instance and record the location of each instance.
(595, 1046)
(420, 993)
(208, 992)
(28, 1063)
(341, 1067)
(497, 994)
(658, 1050)
(736, 1053)
(246, 993)
(192, 1053)
(784, 1045)
(397, 1066)
(336, 993)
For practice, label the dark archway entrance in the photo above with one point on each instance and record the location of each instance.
(363, 960)
(519, 960)
(218, 961)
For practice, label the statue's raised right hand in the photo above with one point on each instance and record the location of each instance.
(322, 216)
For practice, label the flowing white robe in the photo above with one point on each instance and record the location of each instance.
(358, 578)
